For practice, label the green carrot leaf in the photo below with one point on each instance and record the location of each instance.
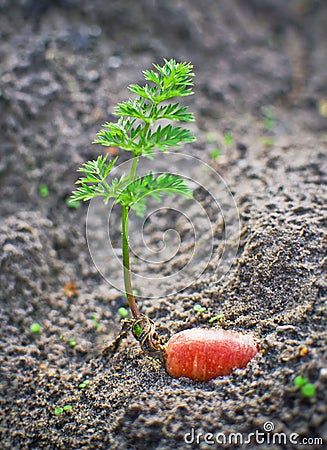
(135, 193)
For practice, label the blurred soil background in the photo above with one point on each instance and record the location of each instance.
(261, 76)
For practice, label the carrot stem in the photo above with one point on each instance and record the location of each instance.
(126, 265)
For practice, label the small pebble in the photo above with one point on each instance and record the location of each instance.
(114, 62)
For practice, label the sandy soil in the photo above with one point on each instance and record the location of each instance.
(261, 74)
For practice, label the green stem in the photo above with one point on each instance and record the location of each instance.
(133, 168)
(127, 272)
(126, 263)
(136, 158)
(145, 131)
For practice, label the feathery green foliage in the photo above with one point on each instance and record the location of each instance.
(135, 193)
(132, 130)
(94, 183)
(139, 130)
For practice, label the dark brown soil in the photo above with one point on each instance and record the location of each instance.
(261, 73)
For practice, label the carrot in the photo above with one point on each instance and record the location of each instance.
(203, 354)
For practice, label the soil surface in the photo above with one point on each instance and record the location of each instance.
(261, 76)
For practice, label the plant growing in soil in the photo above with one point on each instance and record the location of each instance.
(139, 130)
(307, 389)
(35, 328)
(60, 410)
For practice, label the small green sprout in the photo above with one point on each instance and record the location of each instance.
(199, 308)
(60, 410)
(300, 381)
(217, 317)
(268, 120)
(307, 389)
(123, 312)
(268, 141)
(43, 190)
(137, 330)
(35, 328)
(96, 322)
(84, 384)
(72, 342)
(68, 407)
(228, 138)
(72, 204)
(215, 154)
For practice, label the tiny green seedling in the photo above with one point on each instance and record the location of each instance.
(268, 119)
(72, 204)
(43, 190)
(72, 342)
(123, 312)
(199, 308)
(215, 154)
(228, 138)
(96, 322)
(217, 317)
(84, 384)
(35, 328)
(68, 407)
(137, 330)
(60, 410)
(268, 141)
(142, 130)
(307, 389)
(300, 381)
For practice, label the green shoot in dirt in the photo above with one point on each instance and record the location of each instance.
(219, 317)
(35, 328)
(199, 308)
(60, 410)
(123, 312)
(140, 131)
(84, 384)
(307, 389)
